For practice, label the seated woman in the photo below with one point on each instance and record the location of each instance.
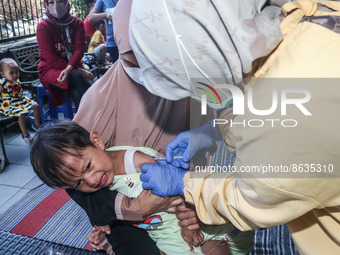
(61, 40)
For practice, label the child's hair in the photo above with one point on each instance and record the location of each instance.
(6, 61)
(97, 24)
(51, 144)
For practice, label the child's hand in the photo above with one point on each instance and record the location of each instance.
(2, 90)
(189, 223)
(187, 216)
(64, 74)
(192, 237)
(87, 74)
(98, 238)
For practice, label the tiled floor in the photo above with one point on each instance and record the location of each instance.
(18, 178)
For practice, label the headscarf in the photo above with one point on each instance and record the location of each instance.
(63, 21)
(62, 25)
(181, 45)
(124, 112)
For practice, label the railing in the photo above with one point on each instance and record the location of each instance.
(19, 18)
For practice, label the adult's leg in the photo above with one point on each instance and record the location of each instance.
(77, 85)
(114, 54)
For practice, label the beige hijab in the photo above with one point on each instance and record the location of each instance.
(213, 41)
(124, 112)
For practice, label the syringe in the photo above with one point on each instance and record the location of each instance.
(163, 157)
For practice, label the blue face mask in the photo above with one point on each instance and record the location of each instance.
(135, 73)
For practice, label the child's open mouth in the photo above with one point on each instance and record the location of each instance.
(103, 180)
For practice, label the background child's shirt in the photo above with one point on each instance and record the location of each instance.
(12, 101)
(97, 37)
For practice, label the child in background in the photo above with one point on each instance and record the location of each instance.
(13, 102)
(66, 155)
(89, 28)
(97, 43)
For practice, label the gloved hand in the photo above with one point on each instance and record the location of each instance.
(187, 143)
(176, 158)
(163, 180)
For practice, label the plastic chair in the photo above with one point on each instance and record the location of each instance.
(51, 113)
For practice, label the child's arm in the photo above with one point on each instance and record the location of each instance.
(98, 240)
(194, 237)
(146, 203)
(95, 44)
(2, 86)
(2, 90)
(140, 158)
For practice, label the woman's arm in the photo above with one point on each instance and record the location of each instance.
(101, 206)
(64, 74)
(97, 15)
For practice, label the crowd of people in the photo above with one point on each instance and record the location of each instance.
(130, 151)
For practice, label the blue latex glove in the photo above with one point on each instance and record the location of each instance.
(163, 180)
(187, 143)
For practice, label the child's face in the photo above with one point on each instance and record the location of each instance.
(10, 72)
(93, 171)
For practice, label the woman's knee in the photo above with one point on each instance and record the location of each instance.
(78, 82)
(75, 77)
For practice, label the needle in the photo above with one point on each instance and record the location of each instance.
(163, 157)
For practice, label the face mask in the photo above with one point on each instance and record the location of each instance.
(135, 73)
(58, 11)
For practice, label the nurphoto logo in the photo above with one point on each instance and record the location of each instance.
(219, 95)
